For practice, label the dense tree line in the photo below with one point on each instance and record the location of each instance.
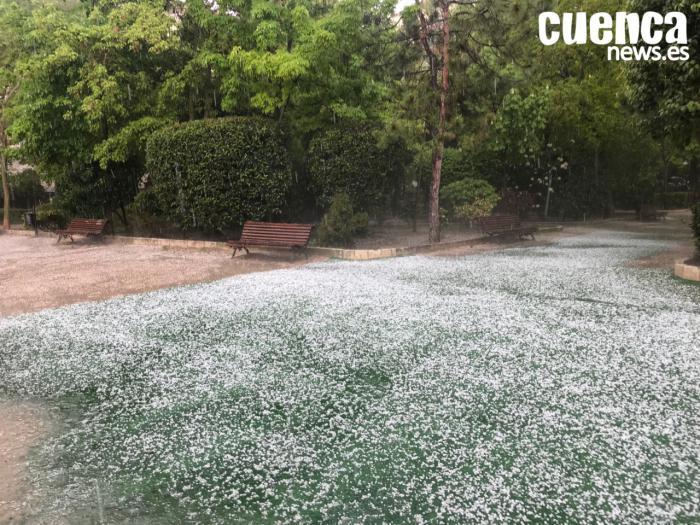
(383, 107)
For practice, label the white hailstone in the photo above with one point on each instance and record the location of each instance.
(528, 383)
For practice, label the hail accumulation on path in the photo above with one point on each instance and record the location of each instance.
(549, 384)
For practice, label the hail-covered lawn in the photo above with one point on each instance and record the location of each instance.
(546, 384)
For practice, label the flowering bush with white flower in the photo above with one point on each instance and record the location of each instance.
(544, 384)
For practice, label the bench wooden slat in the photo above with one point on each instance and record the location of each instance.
(505, 225)
(277, 234)
(82, 226)
(286, 238)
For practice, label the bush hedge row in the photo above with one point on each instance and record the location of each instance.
(215, 174)
(348, 160)
(673, 200)
(468, 199)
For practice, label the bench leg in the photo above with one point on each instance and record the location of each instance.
(236, 248)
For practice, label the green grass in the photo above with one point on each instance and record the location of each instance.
(549, 384)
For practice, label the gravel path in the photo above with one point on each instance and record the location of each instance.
(37, 273)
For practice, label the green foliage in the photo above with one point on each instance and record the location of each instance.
(215, 174)
(672, 200)
(578, 198)
(26, 188)
(313, 63)
(88, 96)
(128, 143)
(146, 218)
(13, 25)
(455, 165)
(50, 216)
(341, 223)
(669, 91)
(520, 127)
(90, 85)
(146, 203)
(348, 160)
(467, 199)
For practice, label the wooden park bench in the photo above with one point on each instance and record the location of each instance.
(505, 226)
(86, 227)
(275, 234)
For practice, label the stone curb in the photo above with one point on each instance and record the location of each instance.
(338, 253)
(382, 253)
(167, 243)
(689, 272)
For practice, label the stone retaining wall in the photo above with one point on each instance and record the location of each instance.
(687, 271)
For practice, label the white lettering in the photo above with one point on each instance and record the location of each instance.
(571, 37)
(604, 22)
(678, 34)
(649, 20)
(544, 19)
(626, 28)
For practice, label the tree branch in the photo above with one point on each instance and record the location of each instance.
(424, 33)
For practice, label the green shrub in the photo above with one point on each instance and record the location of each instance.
(26, 189)
(145, 203)
(215, 174)
(51, 216)
(578, 197)
(456, 166)
(672, 200)
(17, 215)
(469, 198)
(341, 223)
(146, 218)
(348, 160)
(696, 226)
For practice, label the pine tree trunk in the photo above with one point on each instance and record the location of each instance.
(434, 217)
(439, 148)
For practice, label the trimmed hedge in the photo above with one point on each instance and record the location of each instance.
(214, 174)
(456, 166)
(348, 160)
(341, 223)
(51, 216)
(469, 198)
